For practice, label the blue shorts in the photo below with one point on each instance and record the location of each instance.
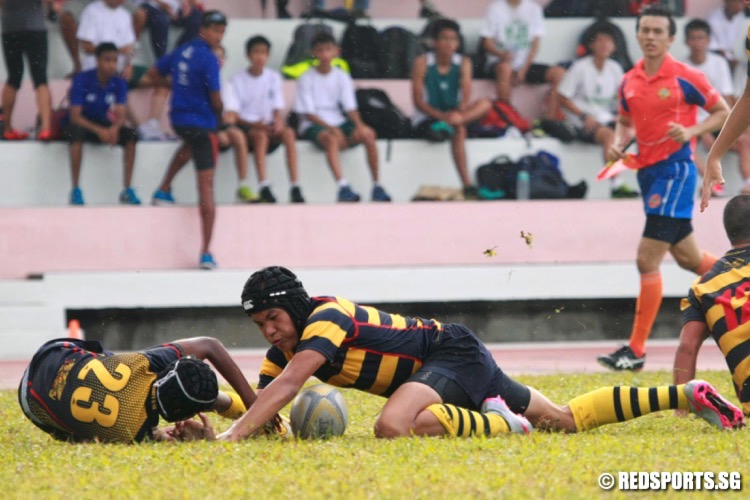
(668, 188)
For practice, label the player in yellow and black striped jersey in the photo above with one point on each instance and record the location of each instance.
(75, 390)
(439, 378)
(719, 305)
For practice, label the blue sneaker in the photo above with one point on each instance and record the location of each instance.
(379, 194)
(162, 198)
(128, 197)
(76, 196)
(207, 262)
(346, 194)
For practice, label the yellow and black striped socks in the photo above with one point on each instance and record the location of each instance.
(464, 423)
(610, 405)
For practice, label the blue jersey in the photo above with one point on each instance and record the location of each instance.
(195, 73)
(96, 100)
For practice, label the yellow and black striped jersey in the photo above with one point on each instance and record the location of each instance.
(719, 299)
(75, 390)
(365, 348)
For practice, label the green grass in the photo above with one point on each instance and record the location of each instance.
(359, 466)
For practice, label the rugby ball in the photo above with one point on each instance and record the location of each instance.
(319, 412)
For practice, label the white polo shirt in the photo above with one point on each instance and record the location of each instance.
(257, 96)
(513, 28)
(100, 24)
(716, 69)
(592, 90)
(328, 96)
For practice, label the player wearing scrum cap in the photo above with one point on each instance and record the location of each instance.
(439, 379)
(76, 390)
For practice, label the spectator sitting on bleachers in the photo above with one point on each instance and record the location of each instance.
(97, 114)
(158, 15)
(511, 34)
(25, 32)
(327, 107)
(588, 94)
(715, 67)
(107, 21)
(70, 15)
(441, 89)
(230, 136)
(255, 105)
(727, 28)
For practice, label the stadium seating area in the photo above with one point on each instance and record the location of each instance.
(105, 255)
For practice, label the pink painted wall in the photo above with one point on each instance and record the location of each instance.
(38, 240)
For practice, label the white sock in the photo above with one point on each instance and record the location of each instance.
(616, 182)
(342, 182)
(747, 181)
(263, 184)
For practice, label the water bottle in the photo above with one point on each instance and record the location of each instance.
(523, 185)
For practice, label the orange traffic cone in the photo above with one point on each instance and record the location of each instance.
(74, 330)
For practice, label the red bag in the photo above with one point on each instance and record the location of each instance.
(57, 119)
(510, 115)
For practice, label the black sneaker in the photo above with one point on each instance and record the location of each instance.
(623, 359)
(624, 191)
(266, 196)
(295, 195)
(471, 193)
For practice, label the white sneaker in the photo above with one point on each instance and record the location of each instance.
(150, 130)
(518, 423)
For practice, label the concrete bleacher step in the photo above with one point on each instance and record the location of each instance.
(25, 328)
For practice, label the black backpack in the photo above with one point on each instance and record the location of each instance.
(360, 47)
(301, 45)
(377, 111)
(497, 179)
(398, 49)
(621, 49)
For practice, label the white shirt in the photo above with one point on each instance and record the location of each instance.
(513, 28)
(101, 24)
(726, 33)
(717, 71)
(257, 97)
(324, 95)
(592, 90)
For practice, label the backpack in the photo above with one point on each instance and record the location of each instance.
(569, 8)
(382, 115)
(496, 178)
(621, 49)
(546, 180)
(398, 49)
(299, 50)
(360, 47)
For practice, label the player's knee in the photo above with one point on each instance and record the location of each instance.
(388, 428)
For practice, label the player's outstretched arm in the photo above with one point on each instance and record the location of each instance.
(736, 124)
(214, 351)
(277, 395)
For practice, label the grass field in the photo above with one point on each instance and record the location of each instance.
(359, 466)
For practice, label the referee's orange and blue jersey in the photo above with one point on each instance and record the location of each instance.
(667, 175)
